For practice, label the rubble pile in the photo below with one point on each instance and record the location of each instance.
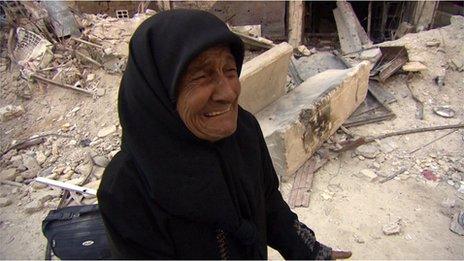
(73, 153)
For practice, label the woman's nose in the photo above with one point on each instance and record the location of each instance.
(224, 90)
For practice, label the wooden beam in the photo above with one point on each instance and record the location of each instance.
(295, 22)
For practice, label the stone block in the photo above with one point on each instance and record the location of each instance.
(299, 122)
(263, 78)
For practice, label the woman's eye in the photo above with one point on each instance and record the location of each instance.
(198, 77)
(231, 71)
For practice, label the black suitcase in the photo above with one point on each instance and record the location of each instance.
(76, 232)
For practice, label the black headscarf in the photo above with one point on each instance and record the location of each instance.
(188, 177)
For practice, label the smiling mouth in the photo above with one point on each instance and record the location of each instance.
(216, 113)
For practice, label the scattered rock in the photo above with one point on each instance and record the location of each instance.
(456, 177)
(461, 189)
(94, 184)
(8, 174)
(106, 131)
(387, 146)
(16, 160)
(429, 175)
(359, 239)
(40, 157)
(444, 111)
(76, 181)
(457, 64)
(432, 43)
(58, 170)
(10, 112)
(367, 174)
(5, 202)
(84, 169)
(90, 77)
(100, 92)
(47, 195)
(448, 203)
(98, 172)
(38, 185)
(414, 67)
(392, 228)
(101, 161)
(368, 151)
(457, 223)
(303, 50)
(29, 174)
(30, 163)
(33, 207)
(376, 165)
(10, 154)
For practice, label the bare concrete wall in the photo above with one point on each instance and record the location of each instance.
(270, 14)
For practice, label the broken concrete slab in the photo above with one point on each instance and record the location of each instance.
(298, 123)
(307, 67)
(10, 111)
(414, 67)
(263, 78)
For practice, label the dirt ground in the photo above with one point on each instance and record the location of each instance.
(347, 210)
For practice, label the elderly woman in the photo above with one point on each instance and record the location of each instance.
(194, 179)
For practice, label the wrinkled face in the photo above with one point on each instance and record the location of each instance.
(208, 95)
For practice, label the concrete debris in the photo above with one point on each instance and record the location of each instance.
(368, 151)
(367, 174)
(252, 30)
(101, 161)
(4, 202)
(263, 78)
(319, 62)
(40, 157)
(98, 172)
(310, 117)
(33, 206)
(393, 228)
(432, 43)
(359, 239)
(444, 111)
(8, 174)
(448, 203)
(429, 175)
(30, 163)
(10, 112)
(457, 223)
(303, 50)
(414, 67)
(106, 131)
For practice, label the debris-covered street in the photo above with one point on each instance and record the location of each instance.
(366, 136)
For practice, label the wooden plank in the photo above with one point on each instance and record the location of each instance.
(382, 95)
(392, 67)
(349, 43)
(300, 193)
(352, 22)
(295, 22)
